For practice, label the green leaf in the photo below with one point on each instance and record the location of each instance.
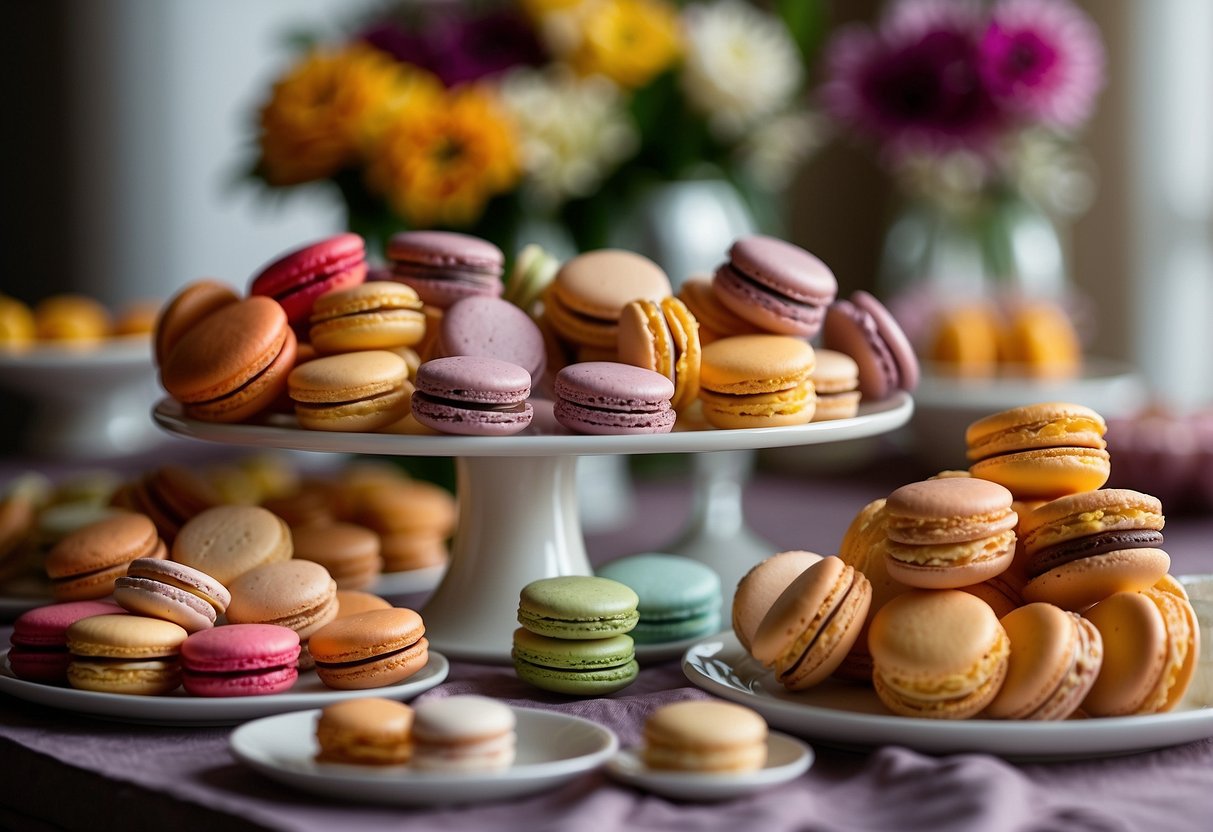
(806, 22)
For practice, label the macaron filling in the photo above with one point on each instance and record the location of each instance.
(786, 294)
(1069, 551)
(797, 654)
(460, 404)
(937, 697)
(1070, 431)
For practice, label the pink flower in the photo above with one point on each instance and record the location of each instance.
(1043, 61)
(914, 85)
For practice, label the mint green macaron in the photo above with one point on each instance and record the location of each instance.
(577, 607)
(679, 597)
(579, 667)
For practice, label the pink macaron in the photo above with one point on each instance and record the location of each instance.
(603, 397)
(296, 279)
(493, 328)
(775, 285)
(39, 639)
(865, 330)
(240, 660)
(472, 396)
(172, 591)
(444, 267)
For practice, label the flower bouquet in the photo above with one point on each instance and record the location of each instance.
(490, 118)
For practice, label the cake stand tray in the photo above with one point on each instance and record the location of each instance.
(518, 517)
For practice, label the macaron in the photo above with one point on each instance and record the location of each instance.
(758, 589)
(233, 363)
(705, 736)
(865, 330)
(170, 495)
(864, 545)
(1081, 548)
(949, 533)
(490, 327)
(716, 320)
(836, 381)
(86, 563)
(71, 317)
(1039, 341)
(444, 267)
(775, 285)
(757, 381)
(355, 391)
(296, 279)
(463, 734)
(370, 649)
(354, 601)
(365, 732)
(938, 654)
(663, 336)
(172, 591)
(813, 624)
(240, 660)
(297, 594)
(124, 654)
(577, 667)
(349, 553)
(227, 541)
(1041, 451)
(473, 396)
(1055, 660)
(534, 270)
(17, 327)
(577, 607)
(964, 341)
(191, 304)
(413, 521)
(679, 598)
(136, 318)
(378, 315)
(584, 302)
(1151, 645)
(605, 397)
(39, 639)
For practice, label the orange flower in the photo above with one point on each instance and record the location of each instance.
(440, 160)
(323, 111)
(629, 41)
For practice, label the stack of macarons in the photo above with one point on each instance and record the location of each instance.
(574, 635)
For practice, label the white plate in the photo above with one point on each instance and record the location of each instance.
(408, 582)
(873, 419)
(179, 708)
(787, 759)
(552, 749)
(850, 715)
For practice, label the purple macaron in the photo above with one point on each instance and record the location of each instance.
(444, 267)
(603, 397)
(39, 639)
(172, 591)
(493, 328)
(776, 286)
(472, 396)
(865, 330)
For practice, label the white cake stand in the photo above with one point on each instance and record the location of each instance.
(517, 502)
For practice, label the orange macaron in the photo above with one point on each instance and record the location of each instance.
(758, 589)
(86, 563)
(350, 553)
(354, 391)
(813, 624)
(757, 381)
(1040, 451)
(371, 649)
(185, 309)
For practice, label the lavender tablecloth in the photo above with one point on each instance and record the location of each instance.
(64, 771)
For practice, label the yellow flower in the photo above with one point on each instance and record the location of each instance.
(629, 41)
(322, 111)
(439, 161)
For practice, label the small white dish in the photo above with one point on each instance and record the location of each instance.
(408, 582)
(787, 759)
(179, 708)
(553, 748)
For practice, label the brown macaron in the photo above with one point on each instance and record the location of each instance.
(86, 563)
(170, 496)
(297, 594)
(371, 649)
(813, 624)
(185, 309)
(350, 553)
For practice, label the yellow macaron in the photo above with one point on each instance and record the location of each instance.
(753, 381)
(663, 337)
(371, 316)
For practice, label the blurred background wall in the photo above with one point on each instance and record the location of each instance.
(128, 123)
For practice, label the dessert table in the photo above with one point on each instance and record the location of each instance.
(71, 772)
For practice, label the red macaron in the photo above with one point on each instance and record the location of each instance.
(296, 279)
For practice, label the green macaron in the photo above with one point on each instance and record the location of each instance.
(580, 667)
(577, 607)
(679, 597)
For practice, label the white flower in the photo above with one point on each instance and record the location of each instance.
(741, 64)
(773, 150)
(573, 131)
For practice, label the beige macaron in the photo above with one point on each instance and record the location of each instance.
(758, 589)
(227, 541)
(705, 736)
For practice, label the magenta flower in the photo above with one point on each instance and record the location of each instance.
(1043, 61)
(914, 86)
